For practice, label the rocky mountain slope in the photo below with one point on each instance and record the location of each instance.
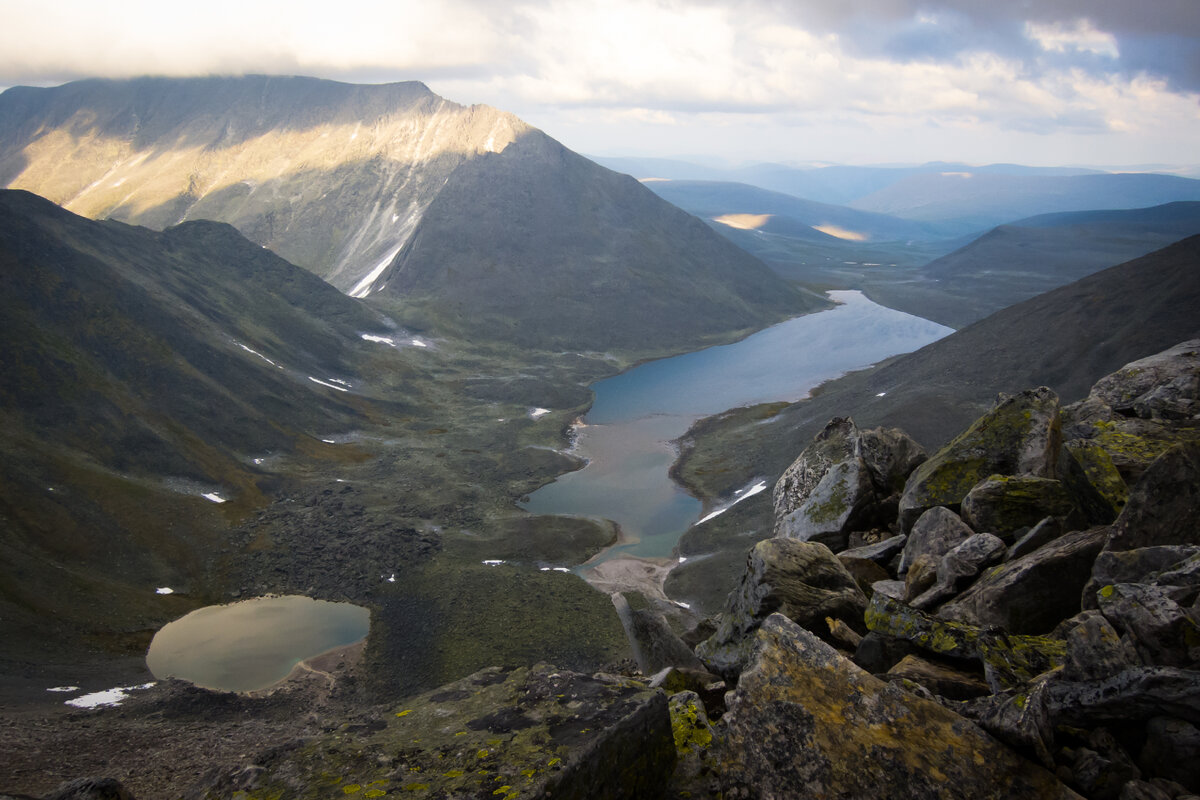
(1062, 339)
(341, 179)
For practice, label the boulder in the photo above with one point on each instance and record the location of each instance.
(522, 733)
(843, 499)
(804, 581)
(878, 652)
(1135, 693)
(1101, 776)
(1031, 594)
(893, 589)
(1141, 790)
(960, 566)
(881, 552)
(1021, 435)
(865, 571)
(1161, 631)
(835, 443)
(1094, 648)
(91, 789)
(936, 532)
(1164, 506)
(892, 455)
(922, 575)
(1140, 565)
(1040, 535)
(1018, 717)
(951, 683)
(708, 687)
(1165, 385)
(1094, 467)
(694, 739)
(790, 732)
(1003, 504)
(1170, 751)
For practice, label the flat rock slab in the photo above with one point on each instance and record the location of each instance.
(497, 734)
(805, 722)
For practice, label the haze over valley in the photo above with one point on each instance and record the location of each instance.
(538, 404)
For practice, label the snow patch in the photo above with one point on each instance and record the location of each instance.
(419, 343)
(554, 569)
(681, 604)
(108, 697)
(256, 353)
(63, 689)
(389, 341)
(328, 385)
(881, 394)
(363, 287)
(739, 496)
(213, 496)
(164, 590)
(539, 412)
(493, 562)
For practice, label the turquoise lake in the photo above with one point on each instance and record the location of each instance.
(627, 435)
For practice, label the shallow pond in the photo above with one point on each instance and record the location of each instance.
(252, 644)
(627, 436)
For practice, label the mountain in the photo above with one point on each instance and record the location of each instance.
(1065, 339)
(392, 186)
(973, 199)
(1017, 261)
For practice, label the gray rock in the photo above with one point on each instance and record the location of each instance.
(936, 532)
(1131, 694)
(1095, 650)
(1100, 776)
(893, 589)
(1164, 506)
(842, 499)
(1021, 435)
(960, 566)
(1170, 751)
(881, 553)
(790, 732)
(922, 575)
(866, 573)
(892, 455)
(1006, 503)
(1031, 594)
(1139, 565)
(1041, 534)
(833, 444)
(1162, 386)
(802, 580)
(1161, 631)
(1017, 717)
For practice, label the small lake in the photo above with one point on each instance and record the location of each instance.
(627, 435)
(252, 644)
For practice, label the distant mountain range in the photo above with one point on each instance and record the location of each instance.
(483, 222)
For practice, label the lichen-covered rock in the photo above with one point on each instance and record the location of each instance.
(959, 566)
(954, 684)
(1003, 504)
(882, 552)
(1164, 506)
(1033, 593)
(1096, 467)
(1161, 631)
(1140, 565)
(1170, 751)
(878, 652)
(694, 740)
(710, 688)
(922, 574)
(842, 499)
(1015, 716)
(804, 581)
(791, 732)
(523, 733)
(936, 532)
(1021, 435)
(1136, 693)
(892, 455)
(833, 444)
(1095, 649)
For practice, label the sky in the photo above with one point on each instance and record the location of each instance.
(1043, 82)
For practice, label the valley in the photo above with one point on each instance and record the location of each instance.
(284, 336)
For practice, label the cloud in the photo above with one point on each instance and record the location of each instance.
(1080, 35)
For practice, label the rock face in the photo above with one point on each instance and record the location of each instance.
(791, 732)
(1022, 435)
(844, 480)
(804, 581)
(1164, 506)
(523, 733)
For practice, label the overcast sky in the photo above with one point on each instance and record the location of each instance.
(1114, 82)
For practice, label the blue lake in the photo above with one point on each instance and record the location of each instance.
(627, 436)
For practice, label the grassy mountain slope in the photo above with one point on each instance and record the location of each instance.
(1065, 339)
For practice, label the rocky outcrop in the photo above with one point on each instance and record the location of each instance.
(523, 733)
(791, 731)
(804, 581)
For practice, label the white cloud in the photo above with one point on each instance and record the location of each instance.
(1059, 37)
